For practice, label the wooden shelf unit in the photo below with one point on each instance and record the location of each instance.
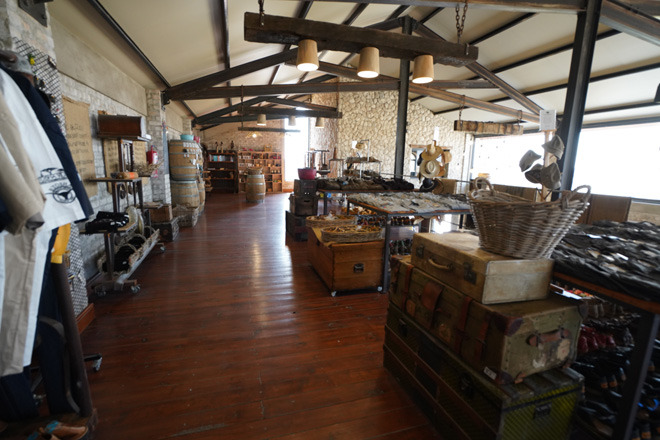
(222, 171)
(269, 161)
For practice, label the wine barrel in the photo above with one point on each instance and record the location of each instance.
(186, 159)
(255, 188)
(185, 192)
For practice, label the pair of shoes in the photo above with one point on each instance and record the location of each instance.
(59, 431)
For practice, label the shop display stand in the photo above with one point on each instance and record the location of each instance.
(388, 228)
(223, 171)
(269, 161)
(328, 192)
(644, 341)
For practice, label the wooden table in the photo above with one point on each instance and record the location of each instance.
(644, 342)
(388, 219)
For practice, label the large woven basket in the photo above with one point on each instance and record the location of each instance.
(516, 227)
(351, 234)
(322, 221)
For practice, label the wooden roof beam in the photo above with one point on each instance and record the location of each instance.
(270, 111)
(301, 104)
(633, 22)
(304, 10)
(650, 7)
(566, 6)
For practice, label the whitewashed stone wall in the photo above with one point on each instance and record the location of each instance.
(325, 138)
(92, 245)
(372, 116)
(18, 24)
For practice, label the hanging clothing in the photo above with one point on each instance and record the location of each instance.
(22, 274)
(41, 107)
(19, 187)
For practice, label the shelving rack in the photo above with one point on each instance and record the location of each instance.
(269, 161)
(223, 171)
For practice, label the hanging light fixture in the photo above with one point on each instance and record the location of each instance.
(320, 123)
(423, 69)
(261, 119)
(292, 121)
(369, 64)
(308, 57)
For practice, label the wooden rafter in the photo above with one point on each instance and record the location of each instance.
(301, 104)
(570, 6)
(304, 10)
(489, 76)
(270, 111)
(285, 30)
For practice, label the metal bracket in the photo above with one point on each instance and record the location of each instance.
(35, 9)
(358, 268)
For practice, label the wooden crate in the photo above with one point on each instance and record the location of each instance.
(162, 214)
(295, 226)
(346, 266)
(169, 231)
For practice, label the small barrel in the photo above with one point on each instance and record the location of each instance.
(185, 159)
(255, 188)
(202, 191)
(185, 192)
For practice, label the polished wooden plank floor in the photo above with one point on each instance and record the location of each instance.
(234, 336)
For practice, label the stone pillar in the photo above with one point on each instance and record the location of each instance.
(187, 125)
(160, 185)
(17, 24)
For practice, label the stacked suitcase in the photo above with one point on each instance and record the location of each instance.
(302, 203)
(479, 343)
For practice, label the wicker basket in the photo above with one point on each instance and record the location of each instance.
(351, 234)
(322, 221)
(516, 227)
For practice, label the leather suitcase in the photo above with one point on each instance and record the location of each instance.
(504, 341)
(464, 404)
(455, 259)
(346, 266)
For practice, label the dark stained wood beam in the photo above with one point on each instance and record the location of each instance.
(650, 7)
(180, 91)
(302, 13)
(430, 15)
(270, 111)
(223, 37)
(503, 28)
(288, 89)
(569, 6)
(268, 129)
(303, 104)
(474, 103)
(489, 76)
(626, 19)
(397, 12)
(285, 30)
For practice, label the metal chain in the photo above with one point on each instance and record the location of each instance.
(242, 108)
(460, 21)
(460, 110)
(261, 11)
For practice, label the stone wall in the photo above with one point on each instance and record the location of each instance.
(92, 245)
(372, 116)
(16, 23)
(225, 134)
(325, 138)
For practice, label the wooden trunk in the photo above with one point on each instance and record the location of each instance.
(346, 266)
(295, 226)
(304, 187)
(504, 341)
(456, 259)
(463, 403)
(169, 231)
(304, 205)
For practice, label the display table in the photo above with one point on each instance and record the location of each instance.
(325, 192)
(644, 341)
(388, 225)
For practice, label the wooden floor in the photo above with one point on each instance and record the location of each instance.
(233, 336)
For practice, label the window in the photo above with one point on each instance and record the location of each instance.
(295, 148)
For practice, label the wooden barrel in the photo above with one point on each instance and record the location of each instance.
(185, 159)
(185, 192)
(255, 188)
(202, 191)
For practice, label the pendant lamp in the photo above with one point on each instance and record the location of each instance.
(320, 123)
(423, 69)
(292, 121)
(308, 57)
(261, 119)
(369, 64)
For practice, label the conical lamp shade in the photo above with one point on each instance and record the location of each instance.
(292, 121)
(320, 123)
(423, 69)
(308, 57)
(261, 119)
(369, 63)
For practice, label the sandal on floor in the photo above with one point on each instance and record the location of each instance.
(64, 432)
